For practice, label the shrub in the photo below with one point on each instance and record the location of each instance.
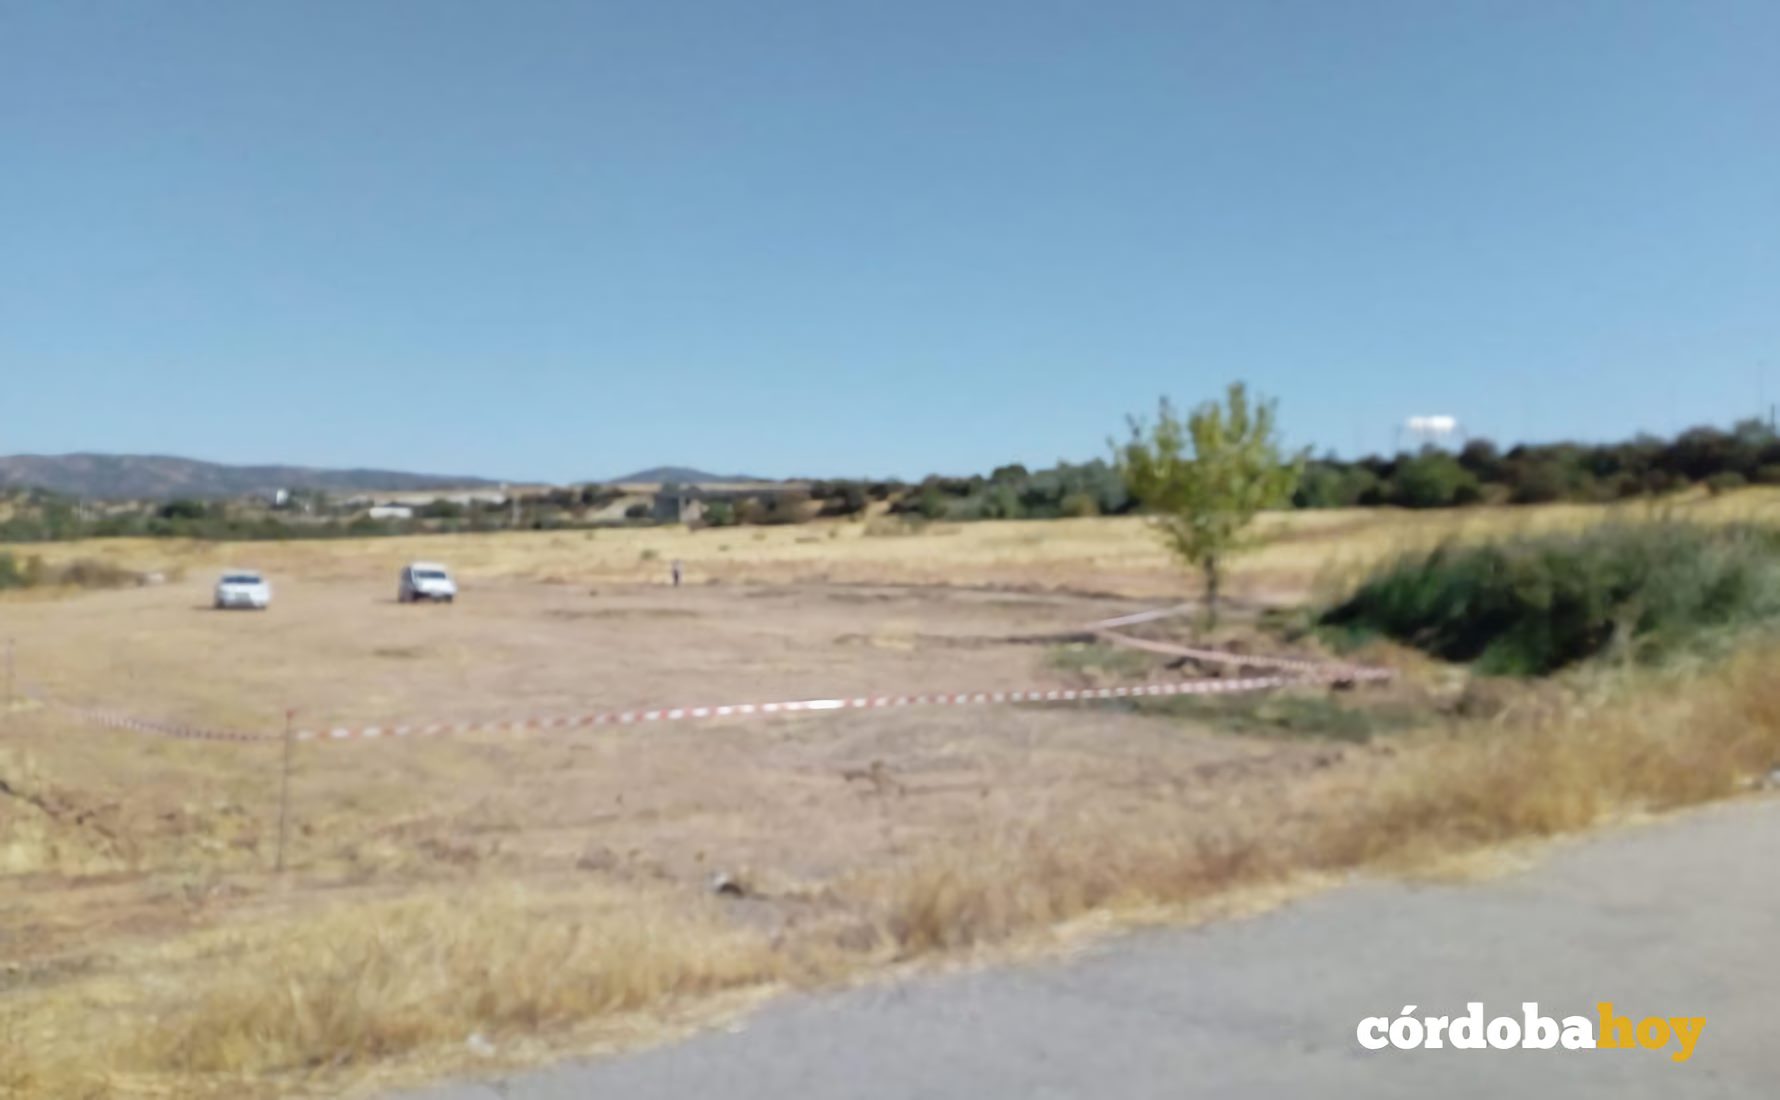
(1077, 505)
(1534, 605)
(1724, 481)
(440, 509)
(80, 573)
(1434, 479)
(1540, 482)
(790, 506)
(184, 509)
(89, 573)
(13, 574)
(840, 498)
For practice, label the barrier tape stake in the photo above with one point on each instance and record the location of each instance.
(284, 790)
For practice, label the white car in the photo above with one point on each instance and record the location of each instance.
(240, 588)
(425, 580)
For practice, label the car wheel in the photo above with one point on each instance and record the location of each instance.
(448, 599)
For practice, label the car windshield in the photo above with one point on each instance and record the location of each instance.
(241, 578)
(429, 575)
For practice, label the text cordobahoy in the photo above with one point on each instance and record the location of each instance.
(1531, 1031)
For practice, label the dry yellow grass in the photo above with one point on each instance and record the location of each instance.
(431, 902)
(383, 980)
(289, 1003)
(1448, 795)
(1104, 554)
(262, 1008)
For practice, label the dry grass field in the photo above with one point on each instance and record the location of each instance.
(491, 898)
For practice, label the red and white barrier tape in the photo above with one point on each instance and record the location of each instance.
(1108, 629)
(111, 719)
(1294, 671)
(863, 702)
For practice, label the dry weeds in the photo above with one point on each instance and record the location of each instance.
(286, 1004)
(1107, 554)
(172, 965)
(1451, 794)
(266, 1007)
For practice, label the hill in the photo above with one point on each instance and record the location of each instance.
(126, 477)
(679, 475)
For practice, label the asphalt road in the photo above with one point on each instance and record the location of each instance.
(1676, 918)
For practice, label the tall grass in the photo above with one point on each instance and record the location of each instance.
(304, 1001)
(1532, 605)
(376, 983)
(1449, 795)
(33, 572)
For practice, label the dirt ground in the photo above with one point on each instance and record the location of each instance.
(136, 868)
(133, 834)
(345, 652)
(123, 856)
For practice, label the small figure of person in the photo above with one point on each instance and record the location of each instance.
(675, 570)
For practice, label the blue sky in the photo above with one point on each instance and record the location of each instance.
(564, 240)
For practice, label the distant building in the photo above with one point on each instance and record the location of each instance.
(418, 497)
(390, 511)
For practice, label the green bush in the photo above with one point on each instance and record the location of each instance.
(1725, 480)
(1329, 483)
(1531, 606)
(840, 498)
(1078, 505)
(184, 509)
(790, 506)
(440, 509)
(12, 573)
(1434, 479)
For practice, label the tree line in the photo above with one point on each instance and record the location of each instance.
(1478, 472)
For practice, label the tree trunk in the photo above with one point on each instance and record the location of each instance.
(1213, 575)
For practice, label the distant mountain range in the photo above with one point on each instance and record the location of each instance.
(679, 475)
(126, 477)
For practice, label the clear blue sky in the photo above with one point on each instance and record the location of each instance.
(563, 240)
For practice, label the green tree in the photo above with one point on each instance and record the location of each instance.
(1204, 478)
(931, 503)
(1435, 479)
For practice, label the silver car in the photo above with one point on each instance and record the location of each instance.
(425, 580)
(241, 588)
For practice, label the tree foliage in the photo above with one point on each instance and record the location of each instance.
(1203, 479)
